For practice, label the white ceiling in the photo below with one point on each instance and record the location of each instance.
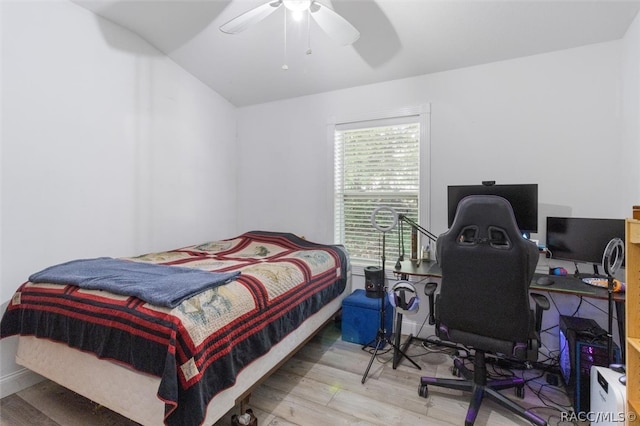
(399, 38)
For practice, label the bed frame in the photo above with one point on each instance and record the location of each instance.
(133, 394)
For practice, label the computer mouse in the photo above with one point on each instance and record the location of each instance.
(544, 280)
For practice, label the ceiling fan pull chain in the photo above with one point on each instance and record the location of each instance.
(284, 65)
(308, 52)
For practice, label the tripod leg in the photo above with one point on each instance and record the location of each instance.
(379, 342)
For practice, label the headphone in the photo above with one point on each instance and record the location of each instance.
(403, 297)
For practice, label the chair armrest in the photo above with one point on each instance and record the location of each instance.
(429, 290)
(542, 304)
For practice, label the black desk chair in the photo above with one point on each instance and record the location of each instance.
(483, 302)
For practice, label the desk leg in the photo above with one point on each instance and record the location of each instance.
(396, 344)
(398, 351)
(620, 313)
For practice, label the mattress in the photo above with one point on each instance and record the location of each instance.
(133, 394)
(197, 350)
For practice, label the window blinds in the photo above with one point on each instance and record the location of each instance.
(376, 163)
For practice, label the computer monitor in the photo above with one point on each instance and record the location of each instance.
(523, 199)
(581, 240)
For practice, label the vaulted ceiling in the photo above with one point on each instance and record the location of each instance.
(399, 38)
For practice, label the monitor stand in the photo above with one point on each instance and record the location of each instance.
(596, 272)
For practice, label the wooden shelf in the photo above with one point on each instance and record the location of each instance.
(634, 231)
(634, 343)
(633, 406)
(632, 319)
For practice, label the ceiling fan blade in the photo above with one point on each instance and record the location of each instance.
(333, 24)
(253, 16)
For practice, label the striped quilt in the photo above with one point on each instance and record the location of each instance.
(198, 347)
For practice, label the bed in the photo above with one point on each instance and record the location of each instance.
(192, 363)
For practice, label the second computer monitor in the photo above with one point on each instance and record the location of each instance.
(581, 240)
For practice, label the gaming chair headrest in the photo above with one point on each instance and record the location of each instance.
(403, 297)
(484, 212)
(482, 219)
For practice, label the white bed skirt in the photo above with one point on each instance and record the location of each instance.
(133, 394)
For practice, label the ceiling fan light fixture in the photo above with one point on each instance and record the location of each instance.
(297, 5)
(327, 19)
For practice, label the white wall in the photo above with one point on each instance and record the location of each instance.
(553, 119)
(631, 111)
(108, 147)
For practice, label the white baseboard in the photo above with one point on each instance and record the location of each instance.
(17, 381)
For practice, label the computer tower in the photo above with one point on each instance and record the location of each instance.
(583, 344)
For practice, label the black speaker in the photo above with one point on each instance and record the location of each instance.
(373, 282)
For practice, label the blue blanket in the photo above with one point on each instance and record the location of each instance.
(156, 284)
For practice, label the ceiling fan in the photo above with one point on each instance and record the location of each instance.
(331, 23)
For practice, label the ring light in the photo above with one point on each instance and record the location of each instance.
(379, 227)
(613, 256)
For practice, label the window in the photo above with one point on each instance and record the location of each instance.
(377, 163)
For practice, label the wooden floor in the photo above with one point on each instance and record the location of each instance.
(321, 385)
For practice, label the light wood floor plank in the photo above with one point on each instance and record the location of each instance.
(15, 411)
(70, 409)
(298, 410)
(321, 385)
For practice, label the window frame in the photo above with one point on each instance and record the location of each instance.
(422, 114)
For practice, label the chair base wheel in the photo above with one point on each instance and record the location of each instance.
(423, 391)
(455, 371)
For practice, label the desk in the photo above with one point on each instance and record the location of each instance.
(561, 284)
(568, 284)
(424, 268)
